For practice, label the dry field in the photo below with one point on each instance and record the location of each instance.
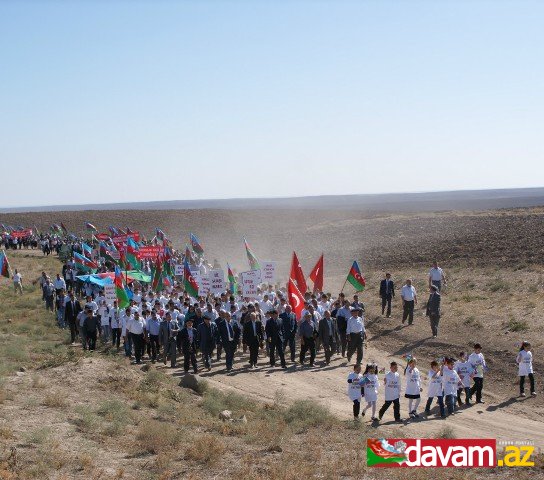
(71, 415)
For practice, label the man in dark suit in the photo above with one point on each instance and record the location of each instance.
(207, 339)
(328, 334)
(276, 338)
(229, 332)
(189, 345)
(72, 309)
(253, 337)
(289, 320)
(387, 292)
(433, 309)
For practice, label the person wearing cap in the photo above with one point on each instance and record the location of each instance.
(229, 333)
(276, 338)
(356, 332)
(189, 345)
(207, 339)
(433, 309)
(307, 332)
(253, 337)
(409, 300)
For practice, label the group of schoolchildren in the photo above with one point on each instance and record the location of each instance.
(448, 380)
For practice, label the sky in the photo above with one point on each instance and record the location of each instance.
(109, 101)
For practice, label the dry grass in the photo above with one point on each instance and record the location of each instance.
(205, 449)
(54, 400)
(156, 437)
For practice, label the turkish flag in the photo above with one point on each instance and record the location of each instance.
(297, 275)
(296, 299)
(316, 275)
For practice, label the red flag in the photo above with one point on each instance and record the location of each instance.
(296, 300)
(316, 275)
(297, 275)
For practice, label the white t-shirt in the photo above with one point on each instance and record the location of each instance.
(17, 278)
(525, 361)
(464, 370)
(371, 388)
(392, 386)
(413, 382)
(354, 389)
(450, 381)
(478, 363)
(435, 384)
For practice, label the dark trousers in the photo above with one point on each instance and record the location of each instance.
(396, 408)
(230, 348)
(477, 387)
(127, 344)
(328, 348)
(207, 357)
(522, 383)
(434, 319)
(219, 351)
(276, 346)
(450, 403)
(253, 353)
(292, 346)
(307, 344)
(116, 336)
(154, 342)
(467, 395)
(49, 303)
(355, 344)
(73, 330)
(440, 404)
(408, 312)
(189, 359)
(343, 343)
(170, 350)
(356, 408)
(386, 301)
(91, 339)
(139, 346)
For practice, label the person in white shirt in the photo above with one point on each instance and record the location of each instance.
(371, 384)
(435, 389)
(59, 284)
(525, 362)
(126, 318)
(91, 304)
(465, 371)
(354, 389)
(266, 304)
(436, 276)
(392, 383)
(116, 325)
(409, 300)
(355, 333)
(413, 387)
(136, 327)
(105, 326)
(18, 282)
(450, 383)
(477, 361)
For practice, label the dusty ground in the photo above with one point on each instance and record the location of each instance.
(495, 265)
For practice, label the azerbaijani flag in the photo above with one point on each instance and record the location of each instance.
(120, 289)
(132, 254)
(156, 279)
(90, 227)
(355, 277)
(5, 271)
(251, 258)
(189, 283)
(189, 255)
(197, 247)
(56, 228)
(166, 266)
(232, 280)
(160, 234)
(108, 252)
(113, 230)
(83, 263)
(87, 249)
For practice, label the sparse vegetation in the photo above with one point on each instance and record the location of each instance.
(515, 325)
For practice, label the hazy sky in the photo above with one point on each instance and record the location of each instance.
(105, 101)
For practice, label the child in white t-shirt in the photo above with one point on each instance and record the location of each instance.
(435, 389)
(465, 371)
(354, 389)
(413, 387)
(392, 386)
(371, 385)
(525, 362)
(450, 383)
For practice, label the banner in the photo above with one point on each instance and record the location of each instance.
(151, 251)
(109, 294)
(268, 272)
(250, 282)
(22, 233)
(102, 236)
(203, 284)
(123, 238)
(217, 281)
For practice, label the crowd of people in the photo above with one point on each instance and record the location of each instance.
(203, 332)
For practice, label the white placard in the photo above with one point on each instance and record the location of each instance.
(203, 284)
(217, 281)
(110, 294)
(250, 283)
(268, 272)
(178, 270)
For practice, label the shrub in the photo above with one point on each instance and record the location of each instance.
(156, 437)
(445, 432)
(215, 401)
(303, 414)
(54, 400)
(206, 449)
(517, 325)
